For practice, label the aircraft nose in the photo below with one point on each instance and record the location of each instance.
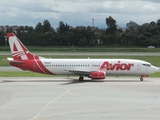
(156, 69)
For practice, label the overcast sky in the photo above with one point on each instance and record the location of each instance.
(78, 12)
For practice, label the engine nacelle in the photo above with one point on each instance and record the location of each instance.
(98, 75)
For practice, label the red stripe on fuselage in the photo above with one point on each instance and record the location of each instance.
(41, 66)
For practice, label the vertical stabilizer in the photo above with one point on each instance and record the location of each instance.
(18, 50)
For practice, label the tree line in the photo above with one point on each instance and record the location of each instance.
(43, 34)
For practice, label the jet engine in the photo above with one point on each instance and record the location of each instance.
(98, 75)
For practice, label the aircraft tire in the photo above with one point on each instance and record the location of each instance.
(141, 79)
(81, 78)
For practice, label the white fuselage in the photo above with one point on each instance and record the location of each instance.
(110, 66)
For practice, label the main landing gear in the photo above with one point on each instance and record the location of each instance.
(81, 78)
(141, 78)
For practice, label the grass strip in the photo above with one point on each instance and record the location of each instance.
(108, 48)
(23, 74)
(152, 59)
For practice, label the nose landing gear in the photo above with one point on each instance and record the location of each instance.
(142, 76)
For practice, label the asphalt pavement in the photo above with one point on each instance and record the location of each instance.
(68, 99)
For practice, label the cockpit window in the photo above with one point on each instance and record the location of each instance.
(147, 65)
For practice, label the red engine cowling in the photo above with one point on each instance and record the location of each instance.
(98, 75)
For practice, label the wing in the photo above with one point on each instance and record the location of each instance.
(91, 74)
(80, 72)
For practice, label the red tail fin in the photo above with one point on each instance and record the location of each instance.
(19, 51)
(24, 59)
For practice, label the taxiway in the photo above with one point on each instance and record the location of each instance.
(32, 98)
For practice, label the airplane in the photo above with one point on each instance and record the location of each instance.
(96, 69)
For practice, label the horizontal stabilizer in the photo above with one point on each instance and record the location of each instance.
(10, 59)
(15, 61)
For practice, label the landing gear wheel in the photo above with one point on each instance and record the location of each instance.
(141, 79)
(81, 78)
